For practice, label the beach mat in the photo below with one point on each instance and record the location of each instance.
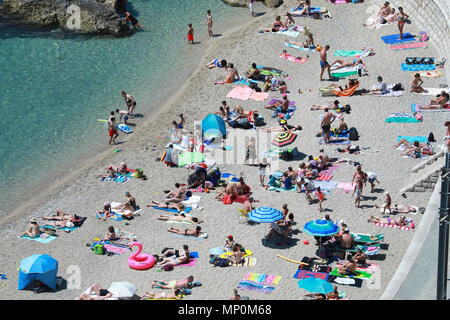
(246, 262)
(255, 286)
(411, 139)
(406, 46)
(417, 67)
(358, 274)
(303, 274)
(290, 45)
(336, 141)
(261, 277)
(395, 38)
(39, 239)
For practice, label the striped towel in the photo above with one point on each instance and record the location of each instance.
(323, 177)
(303, 274)
(393, 226)
(260, 277)
(255, 286)
(369, 268)
(409, 46)
(246, 262)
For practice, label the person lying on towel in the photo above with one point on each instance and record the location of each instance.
(398, 222)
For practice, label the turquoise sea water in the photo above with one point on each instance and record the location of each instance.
(54, 86)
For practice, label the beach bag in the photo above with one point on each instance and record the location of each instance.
(138, 173)
(77, 221)
(431, 137)
(353, 134)
(244, 124)
(99, 249)
(226, 199)
(398, 87)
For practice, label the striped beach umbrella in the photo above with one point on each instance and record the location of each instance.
(320, 228)
(284, 138)
(265, 215)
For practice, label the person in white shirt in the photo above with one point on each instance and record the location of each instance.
(380, 87)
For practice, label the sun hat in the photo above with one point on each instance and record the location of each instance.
(33, 220)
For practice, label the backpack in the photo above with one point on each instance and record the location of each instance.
(398, 87)
(99, 249)
(431, 137)
(423, 36)
(353, 134)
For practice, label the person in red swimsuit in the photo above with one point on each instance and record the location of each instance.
(190, 35)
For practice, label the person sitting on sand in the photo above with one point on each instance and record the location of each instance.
(342, 126)
(187, 232)
(398, 222)
(348, 268)
(110, 235)
(235, 295)
(280, 106)
(254, 73)
(415, 151)
(175, 294)
(281, 227)
(229, 243)
(305, 5)
(360, 257)
(175, 284)
(346, 240)
(167, 205)
(180, 218)
(33, 229)
(248, 206)
(232, 74)
(416, 85)
(379, 88)
(439, 102)
(217, 63)
(289, 20)
(236, 255)
(105, 212)
(243, 188)
(177, 196)
(276, 25)
(130, 204)
(287, 181)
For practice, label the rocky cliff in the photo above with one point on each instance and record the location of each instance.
(244, 3)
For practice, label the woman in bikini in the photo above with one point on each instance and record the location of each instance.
(217, 63)
(186, 232)
(167, 205)
(400, 208)
(180, 218)
(232, 74)
(110, 235)
(129, 101)
(130, 204)
(398, 222)
(60, 220)
(33, 229)
(177, 196)
(401, 17)
(175, 294)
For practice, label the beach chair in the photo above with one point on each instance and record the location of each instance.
(367, 239)
(371, 250)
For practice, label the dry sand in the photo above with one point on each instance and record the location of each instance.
(83, 193)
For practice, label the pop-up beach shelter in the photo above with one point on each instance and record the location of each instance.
(213, 126)
(38, 266)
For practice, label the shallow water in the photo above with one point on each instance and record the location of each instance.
(54, 86)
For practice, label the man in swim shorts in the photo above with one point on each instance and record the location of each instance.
(112, 127)
(190, 35)
(175, 284)
(327, 119)
(323, 62)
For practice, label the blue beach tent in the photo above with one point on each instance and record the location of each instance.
(213, 126)
(38, 266)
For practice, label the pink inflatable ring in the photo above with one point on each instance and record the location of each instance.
(140, 261)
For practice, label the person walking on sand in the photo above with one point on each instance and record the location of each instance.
(321, 197)
(209, 22)
(323, 62)
(357, 189)
(251, 5)
(262, 171)
(327, 119)
(190, 34)
(112, 127)
(130, 102)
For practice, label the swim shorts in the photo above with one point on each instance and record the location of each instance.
(190, 37)
(326, 128)
(111, 132)
(322, 65)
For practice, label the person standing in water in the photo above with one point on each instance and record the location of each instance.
(190, 35)
(129, 101)
(209, 22)
(251, 5)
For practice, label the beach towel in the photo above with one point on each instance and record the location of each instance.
(246, 262)
(278, 189)
(338, 1)
(259, 96)
(245, 81)
(255, 286)
(428, 73)
(433, 91)
(291, 58)
(353, 282)
(346, 92)
(395, 38)
(192, 262)
(367, 238)
(192, 200)
(325, 185)
(389, 92)
(288, 33)
(116, 249)
(406, 46)
(187, 209)
(358, 274)
(303, 274)
(217, 251)
(290, 45)
(394, 226)
(343, 72)
(401, 120)
(39, 239)
(273, 101)
(183, 236)
(348, 53)
(336, 141)
(313, 267)
(417, 67)
(411, 139)
(240, 92)
(346, 186)
(118, 178)
(323, 177)
(265, 278)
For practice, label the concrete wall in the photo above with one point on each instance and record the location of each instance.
(432, 16)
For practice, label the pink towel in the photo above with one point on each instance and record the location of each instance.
(345, 185)
(191, 263)
(259, 96)
(394, 226)
(291, 58)
(239, 92)
(409, 46)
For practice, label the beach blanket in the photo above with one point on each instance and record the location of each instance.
(246, 262)
(290, 45)
(394, 226)
(389, 92)
(303, 274)
(323, 177)
(411, 139)
(433, 91)
(428, 73)
(182, 236)
(291, 58)
(417, 67)
(336, 141)
(288, 33)
(358, 274)
(255, 286)
(395, 38)
(118, 178)
(367, 238)
(245, 81)
(407, 46)
(39, 239)
(187, 209)
(265, 278)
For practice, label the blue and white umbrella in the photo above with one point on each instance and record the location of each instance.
(265, 215)
(320, 228)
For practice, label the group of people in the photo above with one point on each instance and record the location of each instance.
(125, 114)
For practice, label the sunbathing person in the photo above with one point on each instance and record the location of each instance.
(237, 255)
(60, 216)
(130, 204)
(414, 151)
(398, 222)
(282, 106)
(106, 211)
(306, 7)
(232, 74)
(343, 64)
(180, 218)
(351, 83)
(217, 63)
(175, 294)
(416, 85)
(110, 235)
(33, 229)
(439, 102)
(167, 205)
(175, 284)
(348, 268)
(400, 208)
(96, 289)
(112, 171)
(332, 105)
(276, 25)
(284, 127)
(187, 232)
(254, 73)
(178, 195)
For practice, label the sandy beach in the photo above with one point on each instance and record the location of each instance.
(81, 192)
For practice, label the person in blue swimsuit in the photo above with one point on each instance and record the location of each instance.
(217, 63)
(324, 63)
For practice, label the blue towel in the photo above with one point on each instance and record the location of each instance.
(411, 139)
(217, 251)
(39, 239)
(395, 38)
(418, 67)
(187, 209)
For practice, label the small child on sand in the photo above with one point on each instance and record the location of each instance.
(321, 197)
(190, 35)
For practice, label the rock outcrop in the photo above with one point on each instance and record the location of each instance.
(95, 16)
(244, 3)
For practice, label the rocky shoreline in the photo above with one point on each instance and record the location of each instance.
(244, 3)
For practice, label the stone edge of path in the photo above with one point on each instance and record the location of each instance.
(431, 212)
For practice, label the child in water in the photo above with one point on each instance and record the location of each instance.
(190, 35)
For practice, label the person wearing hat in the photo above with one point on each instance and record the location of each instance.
(33, 229)
(105, 212)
